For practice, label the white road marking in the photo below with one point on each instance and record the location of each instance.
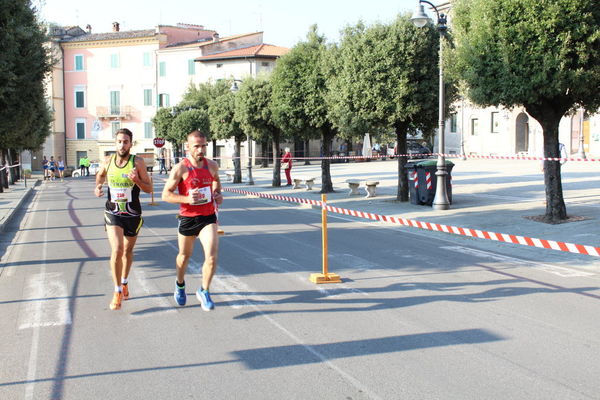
(35, 337)
(48, 301)
(149, 290)
(553, 269)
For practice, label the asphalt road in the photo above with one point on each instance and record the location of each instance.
(416, 317)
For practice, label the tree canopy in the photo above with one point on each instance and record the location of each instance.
(385, 78)
(299, 90)
(25, 62)
(542, 55)
(223, 124)
(253, 111)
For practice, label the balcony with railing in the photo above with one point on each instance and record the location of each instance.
(114, 112)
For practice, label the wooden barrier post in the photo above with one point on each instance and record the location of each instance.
(325, 276)
(152, 203)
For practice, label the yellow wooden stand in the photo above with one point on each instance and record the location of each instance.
(324, 277)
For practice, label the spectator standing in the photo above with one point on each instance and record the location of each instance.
(286, 165)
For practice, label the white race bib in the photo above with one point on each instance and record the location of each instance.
(204, 196)
(120, 195)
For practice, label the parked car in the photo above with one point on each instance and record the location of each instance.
(413, 149)
(94, 167)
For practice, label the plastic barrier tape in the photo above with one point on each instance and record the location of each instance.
(500, 237)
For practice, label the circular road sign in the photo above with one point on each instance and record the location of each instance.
(159, 142)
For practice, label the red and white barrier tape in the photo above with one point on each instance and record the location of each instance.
(500, 237)
(522, 158)
(9, 166)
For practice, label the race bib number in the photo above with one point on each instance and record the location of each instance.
(121, 195)
(204, 196)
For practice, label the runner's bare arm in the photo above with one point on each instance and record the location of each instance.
(216, 186)
(140, 175)
(168, 193)
(101, 177)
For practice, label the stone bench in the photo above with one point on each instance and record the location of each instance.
(230, 175)
(308, 182)
(353, 184)
(371, 188)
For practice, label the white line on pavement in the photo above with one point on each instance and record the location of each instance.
(35, 337)
(48, 303)
(553, 269)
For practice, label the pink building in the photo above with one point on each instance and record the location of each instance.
(110, 82)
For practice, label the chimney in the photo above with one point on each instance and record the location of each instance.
(88, 28)
(115, 27)
(215, 37)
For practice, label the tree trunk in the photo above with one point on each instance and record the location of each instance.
(265, 153)
(2, 172)
(306, 152)
(549, 118)
(276, 161)
(12, 176)
(237, 165)
(5, 172)
(402, 194)
(326, 185)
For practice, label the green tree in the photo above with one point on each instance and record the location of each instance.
(385, 78)
(203, 94)
(162, 121)
(25, 117)
(186, 122)
(542, 55)
(254, 113)
(224, 125)
(299, 90)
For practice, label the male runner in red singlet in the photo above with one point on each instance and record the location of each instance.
(126, 175)
(197, 180)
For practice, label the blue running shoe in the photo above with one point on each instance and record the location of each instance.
(205, 300)
(179, 295)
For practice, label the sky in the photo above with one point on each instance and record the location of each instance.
(284, 23)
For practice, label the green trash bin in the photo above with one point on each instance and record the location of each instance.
(428, 180)
(413, 183)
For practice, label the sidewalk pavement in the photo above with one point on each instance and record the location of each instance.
(488, 195)
(14, 197)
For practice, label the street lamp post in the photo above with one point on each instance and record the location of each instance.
(420, 19)
(234, 88)
(581, 151)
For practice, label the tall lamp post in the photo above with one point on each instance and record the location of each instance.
(420, 19)
(581, 151)
(234, 88)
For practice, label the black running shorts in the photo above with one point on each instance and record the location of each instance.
(191, 226)
(131, 225)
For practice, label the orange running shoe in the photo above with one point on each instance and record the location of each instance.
(115, 304)
(125, 291)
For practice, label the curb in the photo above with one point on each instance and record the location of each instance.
(17, 206)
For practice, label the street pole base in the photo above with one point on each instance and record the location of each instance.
(325, 278)
(442, 206)
(152, 203)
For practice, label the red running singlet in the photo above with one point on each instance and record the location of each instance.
(198, 179)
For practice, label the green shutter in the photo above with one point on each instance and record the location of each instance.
(146, 59)
(115, 102)
(147, 97)
(80, 130)
(79, 99)
(162, 68)
(79, 63)
(148, 130)
(191, 67)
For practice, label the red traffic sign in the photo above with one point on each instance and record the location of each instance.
(159, 142)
